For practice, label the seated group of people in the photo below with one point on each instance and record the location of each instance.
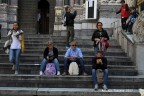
(74, 54)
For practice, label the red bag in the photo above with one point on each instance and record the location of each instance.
(106, 44)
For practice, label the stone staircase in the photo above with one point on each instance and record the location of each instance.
(123, 73)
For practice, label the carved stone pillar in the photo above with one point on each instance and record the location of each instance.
(3, 18)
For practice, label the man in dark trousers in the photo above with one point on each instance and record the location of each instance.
(69, 23)
(99, 62)
(124, 10)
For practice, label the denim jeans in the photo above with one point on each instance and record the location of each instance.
(44, 62)
(94, 76)
(95, 50)
(14, 55)
(78, 61)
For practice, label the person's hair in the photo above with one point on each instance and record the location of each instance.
(98, 23)
(50, 41)
(122, 1)
(18, 25)
(101, 52)
(73, 42)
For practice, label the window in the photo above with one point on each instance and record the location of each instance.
(66, 2)
(6, 1)
(77, 2)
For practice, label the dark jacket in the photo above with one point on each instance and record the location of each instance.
(97, 34)
(99, 66)
(70, 18)
(46, 51)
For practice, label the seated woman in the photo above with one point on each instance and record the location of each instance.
(99, 62)
(73, 54)
(50, 55)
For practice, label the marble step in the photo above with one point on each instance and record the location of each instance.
(114, 70)
(115, 82)
(31, 91)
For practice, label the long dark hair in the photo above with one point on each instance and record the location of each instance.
(18, 26)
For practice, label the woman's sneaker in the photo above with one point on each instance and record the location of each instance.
(58, 73)
(16, 72)
(105, 87)
(13, 67)
(41, 73)
(96, 87)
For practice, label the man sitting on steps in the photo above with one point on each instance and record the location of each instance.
(99, 62)
(73, 54)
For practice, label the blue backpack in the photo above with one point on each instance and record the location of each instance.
(50, 69)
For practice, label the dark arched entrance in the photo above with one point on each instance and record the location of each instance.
(43, 7)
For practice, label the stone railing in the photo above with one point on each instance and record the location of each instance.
(133, 50)
(110, 2)
(138, 29)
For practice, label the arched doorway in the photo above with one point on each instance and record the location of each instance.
(43, 16)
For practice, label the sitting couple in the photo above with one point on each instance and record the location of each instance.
(73, 54)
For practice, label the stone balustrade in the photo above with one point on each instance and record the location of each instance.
(110, 2)
(134, 50)
(138, 29)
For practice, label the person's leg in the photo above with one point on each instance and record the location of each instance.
(66, 64)
(105, 71)
(56, 62)
(17, 56)
(80, 61)
(68, 35)
(72, 33)
(94, 77)
(12, 56)
(95, 50)
(43, 65)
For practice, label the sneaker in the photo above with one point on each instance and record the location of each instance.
(64, 73)
(105, 87)
(96, 87)
(58, 72)
(41, 73)
(16, 72)
(13, 67)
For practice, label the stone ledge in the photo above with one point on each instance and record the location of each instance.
(18, 91)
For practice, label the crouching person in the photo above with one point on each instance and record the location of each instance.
(73, 54)
(99, 62)
(50, 56)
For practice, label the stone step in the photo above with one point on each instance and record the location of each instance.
(114, 70)
(85, 53)
(118, 82)
(24, 91)
(61, 57)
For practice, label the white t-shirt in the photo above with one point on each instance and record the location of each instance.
(16, 37)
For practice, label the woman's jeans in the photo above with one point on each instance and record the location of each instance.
(44, 62)
(105, 76)
(14, 55)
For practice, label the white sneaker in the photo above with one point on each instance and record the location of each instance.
(13, 67)
(16, 72)
(41, 73)
(58, 72)
(96, 87)
(105, 87)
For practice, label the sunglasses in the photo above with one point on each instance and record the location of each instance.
(73, 45)
(99, 25)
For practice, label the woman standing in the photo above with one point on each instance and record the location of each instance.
(15, 49)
